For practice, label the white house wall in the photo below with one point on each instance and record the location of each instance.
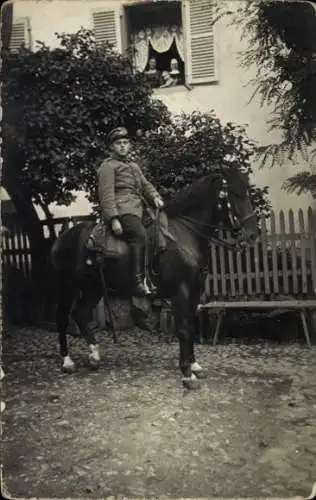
(229, 97)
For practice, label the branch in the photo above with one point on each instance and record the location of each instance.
(303, 182)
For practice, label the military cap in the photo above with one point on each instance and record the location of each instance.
(117, 133)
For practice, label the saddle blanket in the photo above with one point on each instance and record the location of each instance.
(104, 241)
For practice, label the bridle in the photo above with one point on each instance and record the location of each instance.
(236, 222)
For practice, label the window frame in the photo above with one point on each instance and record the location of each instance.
(122, 31)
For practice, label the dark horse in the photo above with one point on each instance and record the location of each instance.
(194, 215)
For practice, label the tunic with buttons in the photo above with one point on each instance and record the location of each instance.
(122, 187)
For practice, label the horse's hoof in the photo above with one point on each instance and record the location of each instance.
(191, 383)
(94, 356)
(68, 365)
(200, 374)
(197, 370)
(69, 368)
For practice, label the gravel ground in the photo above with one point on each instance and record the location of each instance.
(131, 429)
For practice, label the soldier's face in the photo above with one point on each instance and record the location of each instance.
(121, 147)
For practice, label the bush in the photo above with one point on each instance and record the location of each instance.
(193, 145)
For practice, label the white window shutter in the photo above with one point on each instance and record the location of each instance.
(200, 43)
(20, 34)
(106, 26)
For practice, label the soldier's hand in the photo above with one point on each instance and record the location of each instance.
(116, 227)
(158, 203)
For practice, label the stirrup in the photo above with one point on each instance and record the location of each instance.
(141, 286)
(150, 286)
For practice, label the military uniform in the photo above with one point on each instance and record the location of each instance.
(122, 187)
(122, 190)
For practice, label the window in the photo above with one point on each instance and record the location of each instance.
(20, 34)
(173, 40)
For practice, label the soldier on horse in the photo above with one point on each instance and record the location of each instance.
(218, 199)
(122, 190)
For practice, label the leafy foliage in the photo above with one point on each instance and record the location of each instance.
(303, 182)
(285, 58)
(60, 104)
(193, 145)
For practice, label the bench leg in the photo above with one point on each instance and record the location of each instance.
(311, 321)
(305, 328)
(218, 325)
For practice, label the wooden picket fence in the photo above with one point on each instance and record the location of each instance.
(19, 295)
(16, 249)
(281, 264)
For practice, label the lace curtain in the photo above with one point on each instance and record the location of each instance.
(160, 38)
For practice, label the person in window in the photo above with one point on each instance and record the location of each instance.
(167, 80)
(174, 71)
(122, 189)
(152, 73)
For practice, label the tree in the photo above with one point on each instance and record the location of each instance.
(282, 45)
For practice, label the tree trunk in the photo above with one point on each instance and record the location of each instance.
(13, 161)
(30, 224)
(49, 220)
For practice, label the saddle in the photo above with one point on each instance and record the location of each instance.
(103, 241)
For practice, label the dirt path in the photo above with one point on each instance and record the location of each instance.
(131, 429)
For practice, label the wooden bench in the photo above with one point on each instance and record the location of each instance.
(277, 273)
(221, 307)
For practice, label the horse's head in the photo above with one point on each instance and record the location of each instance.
(217, 200)
(234, 208)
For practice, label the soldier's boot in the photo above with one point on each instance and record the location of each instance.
(137, 256)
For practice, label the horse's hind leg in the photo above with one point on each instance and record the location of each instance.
(81, 314)
(66, 293)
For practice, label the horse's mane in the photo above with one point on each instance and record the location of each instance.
(199, 189)
(189, 196)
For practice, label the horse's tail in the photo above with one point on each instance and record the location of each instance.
(58, 254)
(67, 258)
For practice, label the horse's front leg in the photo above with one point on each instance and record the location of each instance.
(81, 314)
(183, 326)
(196, 368)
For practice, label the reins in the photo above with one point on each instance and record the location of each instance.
(186, 220)
(149, 269)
